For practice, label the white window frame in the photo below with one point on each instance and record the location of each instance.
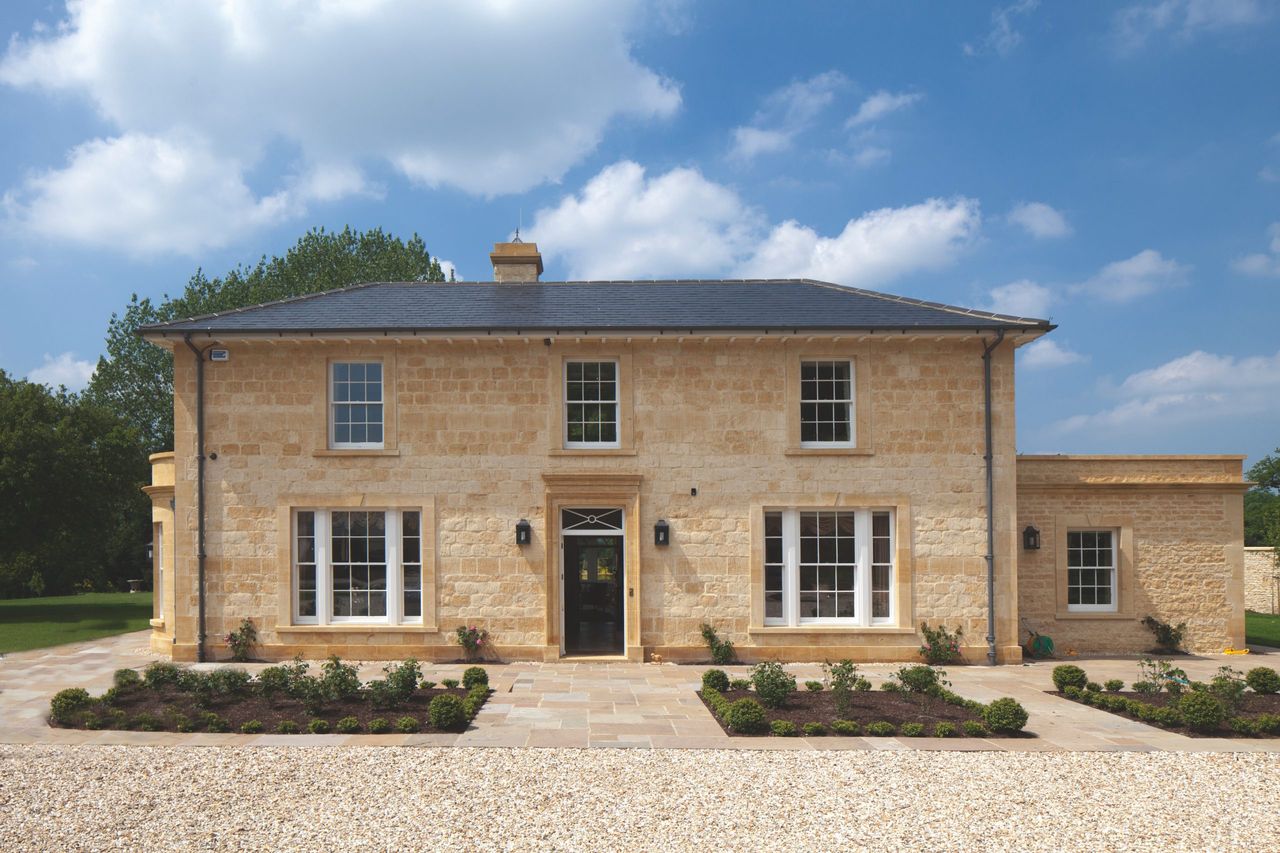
(158, 545)
(617, 404)
(862, 569)
(324, 567)
(1114, 606)
(334, 403)
(850, 404)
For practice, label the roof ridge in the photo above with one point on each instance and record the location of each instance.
(941, 306)
(243, 308)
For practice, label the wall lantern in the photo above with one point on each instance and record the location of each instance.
(1031, 539)
(524, 532)
(662, 533)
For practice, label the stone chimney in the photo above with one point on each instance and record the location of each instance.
(516, 261)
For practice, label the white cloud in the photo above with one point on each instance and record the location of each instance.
(64, 369)
(785, 114)
(872, 155)
(1022, 298)
(1045, 353)
(1184, 19)
(450, 268)
(1263, 264)
(1197, 387)
(625, 224)
(1040, 220)
(490, 97)
(1142, 275)
(881, 104)
(1003, 36)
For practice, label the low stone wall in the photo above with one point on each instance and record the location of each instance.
(1261, 580)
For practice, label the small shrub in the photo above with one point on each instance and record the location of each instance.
(475, 701)
(813, 686)
(716, 679)
(126, 679)
(338, 680)
(920, 679)
(1228, 685)
(181, 722)
(161, 674)
(912, 730)
(474, 640)
(940, 645)
(1268, 724)
(114, 719)
(474, 676)
(66, 703)
(1093, 687)
(772, 683)
(1202, 711)
(1146, 688)
(715, 699)
(721, 650)
(1167, 716)
(814, 730)
(1114, 685)
(847, 728)
(450, 683)
(381, 695)
(242, 640)
(214, 723)
(891, 687)
(1071, 691)
(1243, 726)
(973, 728)
(426, 685)
(379, 726)
(229, 681)
(1069, 675)
(783, 728)
(145, 722)
(347, 726)
(447, 713)
(944, 730)
(1005, 715)
(843, 677)
(287, 727)
(252, 727)
(273, 681)
(402, 678)
(92, 721)
(740, 684)
(861, 685)
(318, 727)
(408, 725)
(880, 729)
(746, 716)
(1163, 674)
(1264, 680)
(1167, 636)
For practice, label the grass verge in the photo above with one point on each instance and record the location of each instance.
(1261, 629)
(36, 623)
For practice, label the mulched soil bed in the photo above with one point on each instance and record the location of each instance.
(163, 702)
(867, 706)
(1251, 705)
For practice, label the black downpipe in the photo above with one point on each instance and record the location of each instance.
(200, 635)
(991, 494)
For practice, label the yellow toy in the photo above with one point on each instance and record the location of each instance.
(1231, 651)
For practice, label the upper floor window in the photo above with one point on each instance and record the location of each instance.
(355, 407)
(1091, 571)
(826, 404)
(591, 404)
(828, 566)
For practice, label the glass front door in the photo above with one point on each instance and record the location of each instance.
(593, 580)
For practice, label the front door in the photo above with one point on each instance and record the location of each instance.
(593, 581)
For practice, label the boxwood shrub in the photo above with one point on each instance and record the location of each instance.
(475, 676)
(1263, 679)
(880, 729)
(746, 716)
(447, 713)
(1005, 715)
(379, 726)
(66, 703)
(913, 730)
(1069, 675)
(814, 729)
(944, 730)
(1203, 711)
(847, 728)
(783, 728)
(716, 679)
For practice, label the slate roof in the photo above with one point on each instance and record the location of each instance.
(597, 306)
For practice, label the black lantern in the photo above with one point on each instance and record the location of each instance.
(1031, 539)
(524, 532)
(662, 533)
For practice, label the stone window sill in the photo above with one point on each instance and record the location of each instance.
(1071, 615)
(355, 628)
(828, 451)
(157, 623)
(588, 451)
(362, 452)
(785, 630)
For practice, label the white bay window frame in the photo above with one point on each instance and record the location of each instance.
(862, 569)
(324, 567)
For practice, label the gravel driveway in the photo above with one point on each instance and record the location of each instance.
(289, 798)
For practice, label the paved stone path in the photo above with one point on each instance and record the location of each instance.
(597, 704)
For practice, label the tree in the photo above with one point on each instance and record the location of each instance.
(135, 379)
(1262, 503)
(70, 471)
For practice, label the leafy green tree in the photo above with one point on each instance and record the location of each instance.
(135, 379)
(1262, 503)
(70, 472)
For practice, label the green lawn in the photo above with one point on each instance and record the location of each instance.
(1261, 629)
(34, 623)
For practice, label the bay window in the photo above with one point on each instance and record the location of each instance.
(828, 566)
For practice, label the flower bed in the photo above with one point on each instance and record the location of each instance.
(284, 699)
(915, 702)
(1231, 704)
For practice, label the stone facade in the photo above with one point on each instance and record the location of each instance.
(1179, 523)
(1261, 580)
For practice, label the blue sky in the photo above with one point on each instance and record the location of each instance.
(1113, 167)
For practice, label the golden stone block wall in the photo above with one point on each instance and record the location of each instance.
(1181, 547)
(1261, 580)
(470, 429)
